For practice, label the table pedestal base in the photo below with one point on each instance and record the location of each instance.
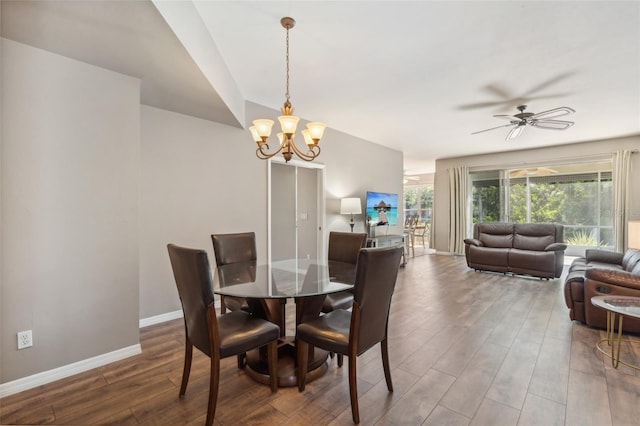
(258, 369)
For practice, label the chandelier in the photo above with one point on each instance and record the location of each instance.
(261, 129)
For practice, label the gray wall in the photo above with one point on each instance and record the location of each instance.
(94, 186)
(69, 209)
(568, 153)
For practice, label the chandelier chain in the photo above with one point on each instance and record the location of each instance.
(287, 59)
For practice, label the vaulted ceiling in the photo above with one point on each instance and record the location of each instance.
(417, 76)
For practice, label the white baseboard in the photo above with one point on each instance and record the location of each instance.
(157, 319)
(49, 376)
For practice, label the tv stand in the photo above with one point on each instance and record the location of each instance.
(391, 240)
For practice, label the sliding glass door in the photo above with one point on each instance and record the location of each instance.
(577, 196)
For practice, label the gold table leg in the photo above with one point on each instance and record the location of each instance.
(614, 342)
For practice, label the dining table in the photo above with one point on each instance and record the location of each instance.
(267, 287)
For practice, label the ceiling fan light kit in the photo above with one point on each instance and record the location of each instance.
(542, 120)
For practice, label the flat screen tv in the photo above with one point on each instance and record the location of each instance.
(381, 205)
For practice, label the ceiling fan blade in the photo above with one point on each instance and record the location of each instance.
(553, 113)
(480, 105)
(493, 128)
(498, 91)
(507, 117)
(552, 124)
(550, 82)
(515, 132)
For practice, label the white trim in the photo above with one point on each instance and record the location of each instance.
(45, 377)
(297, 163)
(157, 319)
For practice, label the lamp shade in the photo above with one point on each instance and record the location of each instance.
(316, 130)
(262, 127)
(634, 234)
(350, 206)
(288, 123)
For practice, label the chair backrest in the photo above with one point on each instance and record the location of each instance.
(375, 281)
(234, 248)
(344, 246)
(193, 278)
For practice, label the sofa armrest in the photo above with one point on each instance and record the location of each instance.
(603, 256)
(612, 277)
(556, 247)
(473, 242)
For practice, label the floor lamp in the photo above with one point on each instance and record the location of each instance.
(350, 206)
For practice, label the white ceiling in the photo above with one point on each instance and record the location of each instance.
(417, 76)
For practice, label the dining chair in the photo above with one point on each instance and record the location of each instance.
(217, 337)
(343, 247)
(423, 231)
(234, 248)
(410, 224)
(353, 333)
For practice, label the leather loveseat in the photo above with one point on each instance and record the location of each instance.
(520, 248)
(601, 273)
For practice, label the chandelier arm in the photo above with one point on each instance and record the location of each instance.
(309, 156)
(264, 155)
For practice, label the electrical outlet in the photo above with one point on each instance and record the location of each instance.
(25, 339)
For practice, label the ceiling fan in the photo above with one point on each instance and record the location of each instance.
(541, 120)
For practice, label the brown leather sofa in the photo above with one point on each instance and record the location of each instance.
(535, 249)
(600, 273)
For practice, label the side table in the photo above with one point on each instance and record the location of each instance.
(621, 306)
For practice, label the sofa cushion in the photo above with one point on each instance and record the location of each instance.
(498, 235)
(533, 236)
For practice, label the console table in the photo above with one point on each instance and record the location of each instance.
(391, 240)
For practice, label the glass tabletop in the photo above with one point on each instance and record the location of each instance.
(625, 305)
(282, 279)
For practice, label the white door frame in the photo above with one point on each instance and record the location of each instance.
(321, 201)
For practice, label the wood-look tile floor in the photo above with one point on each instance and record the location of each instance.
(466, 348)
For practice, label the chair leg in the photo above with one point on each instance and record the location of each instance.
(303, 359)
(385, 364)
(242, 360)
(272, 358)
(353, 390)
(186, 370)
(340, 360)
(223, 307)
(214, 383)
